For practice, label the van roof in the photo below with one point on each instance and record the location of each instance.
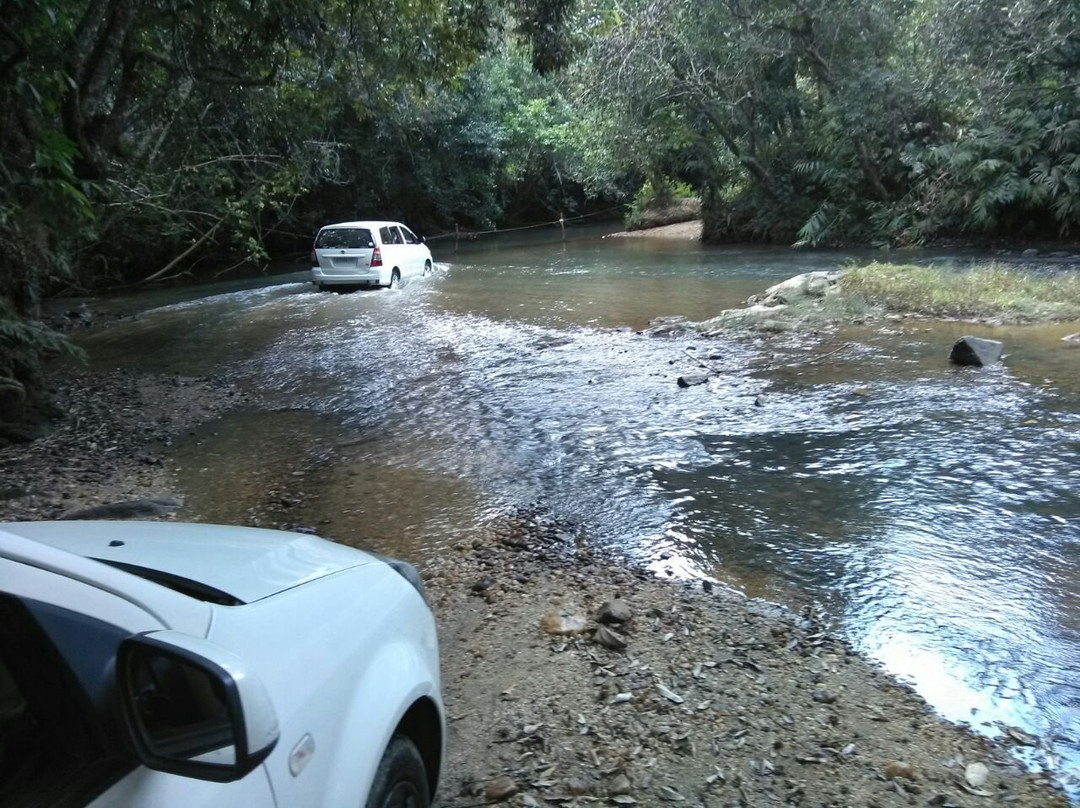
(367, 224)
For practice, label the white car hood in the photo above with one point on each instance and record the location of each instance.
(245, 563)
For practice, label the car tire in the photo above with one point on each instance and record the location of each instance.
(427, 268)
(401, 780)
(395, 280)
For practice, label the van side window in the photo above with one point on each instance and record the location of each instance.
(410, 238)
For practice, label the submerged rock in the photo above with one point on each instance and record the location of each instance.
(976, 351)
(693, 379)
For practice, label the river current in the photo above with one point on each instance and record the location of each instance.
(933, 512)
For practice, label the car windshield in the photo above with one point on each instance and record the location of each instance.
(345, 238)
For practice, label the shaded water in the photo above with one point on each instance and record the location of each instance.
(935, 511)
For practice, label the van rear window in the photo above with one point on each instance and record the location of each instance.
(344, 238)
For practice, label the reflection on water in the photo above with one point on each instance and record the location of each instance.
(934, 510)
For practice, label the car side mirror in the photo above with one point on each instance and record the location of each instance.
(193, 708)
(423, 239)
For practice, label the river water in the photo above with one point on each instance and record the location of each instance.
(932, 511)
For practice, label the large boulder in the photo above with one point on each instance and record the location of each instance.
(976, 351)
(809, 284)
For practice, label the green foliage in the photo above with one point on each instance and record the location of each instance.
(658, 200)
(983, 291)
(881, 121)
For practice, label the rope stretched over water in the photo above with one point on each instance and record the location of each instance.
(471, 234)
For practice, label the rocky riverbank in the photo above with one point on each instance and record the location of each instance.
(575, 680)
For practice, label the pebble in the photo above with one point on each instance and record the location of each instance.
(976, 774)
(898, 768)
(500, 789)
(579, 784)
(483, 584)
(824, 697)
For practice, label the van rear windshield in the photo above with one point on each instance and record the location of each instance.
(344, 238)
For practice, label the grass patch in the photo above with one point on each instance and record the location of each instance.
(984, 291)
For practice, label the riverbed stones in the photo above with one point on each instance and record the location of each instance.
(614, 611)
(976, 351)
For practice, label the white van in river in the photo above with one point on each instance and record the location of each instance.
(367, 254)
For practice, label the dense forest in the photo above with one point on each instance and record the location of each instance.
(144, 140)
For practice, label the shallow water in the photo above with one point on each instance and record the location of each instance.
(933, 511)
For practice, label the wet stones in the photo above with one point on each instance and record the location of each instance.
(671, 326)
(976, 351)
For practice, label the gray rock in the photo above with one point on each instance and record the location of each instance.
(134, 509)
(692, 379)
(608, 638)
(1030, 253)
(809, 284)
(620, 784)
(976, 351)
(823, 697)
(614, 611)
(1072, 337)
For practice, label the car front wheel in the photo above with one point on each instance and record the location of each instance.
(427, 268)
(401, 780)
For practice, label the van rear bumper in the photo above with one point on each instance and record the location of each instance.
(339, 278)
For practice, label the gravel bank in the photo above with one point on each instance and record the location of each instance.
(683, 231)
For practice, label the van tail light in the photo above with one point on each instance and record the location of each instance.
(314, 258)
(376, 258)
